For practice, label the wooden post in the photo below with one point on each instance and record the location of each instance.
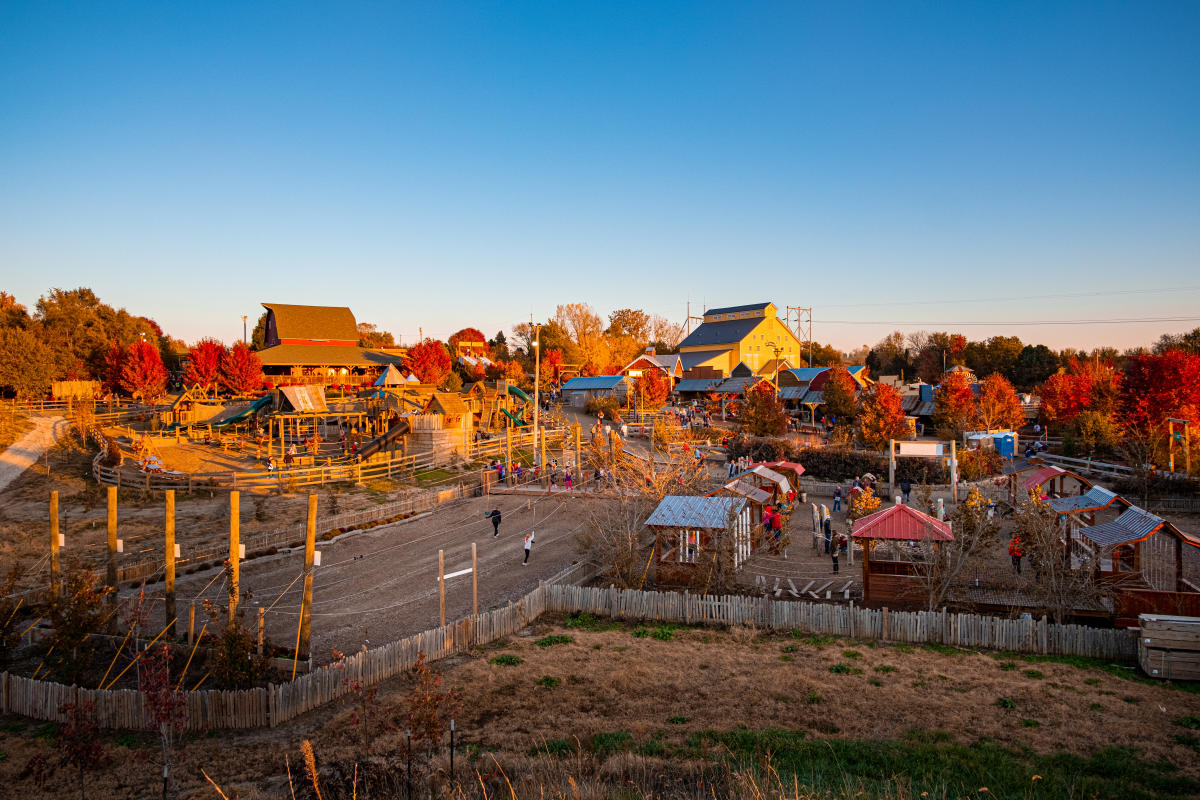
(891, 466)
(169, 548)
(578, 455)
(110, 579)
(310, 547)
(442, 585)
(508, 450)
(55, 571)
(262, 626)
(474, 582)
(192, 622)
(954, 470)
(234, 554)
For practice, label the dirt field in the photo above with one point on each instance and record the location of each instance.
(381, 584)
(651, 701)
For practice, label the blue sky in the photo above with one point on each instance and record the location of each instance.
(449, 164)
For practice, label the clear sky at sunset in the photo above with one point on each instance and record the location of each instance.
(895, 165)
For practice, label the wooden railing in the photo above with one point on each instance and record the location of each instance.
(1090, 466)
(278, 703)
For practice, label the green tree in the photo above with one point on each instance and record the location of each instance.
(258, 337)
(369, 335)
(26, 364)
(1034, 364)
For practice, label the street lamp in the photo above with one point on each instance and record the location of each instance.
(244, 329)
(777, 350)
(537, 370)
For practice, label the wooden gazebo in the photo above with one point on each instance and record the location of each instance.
(896, 581)
(688, 532)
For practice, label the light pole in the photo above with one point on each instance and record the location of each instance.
(777, 350)
(244, 329)
(537, 379)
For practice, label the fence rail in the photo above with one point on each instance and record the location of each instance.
(278, 703)
(1104, 468)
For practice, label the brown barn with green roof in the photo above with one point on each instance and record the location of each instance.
(318, 344)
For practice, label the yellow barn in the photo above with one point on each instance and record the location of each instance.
(751, 335)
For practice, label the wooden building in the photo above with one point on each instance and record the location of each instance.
(748, 334)
(890, 578)
(669, 365)
(317, 344)
(577, 391)
(692, 534)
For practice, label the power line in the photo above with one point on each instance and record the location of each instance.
(1043, 296)
(1002, 323)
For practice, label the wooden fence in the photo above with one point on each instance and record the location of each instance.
(278, 703)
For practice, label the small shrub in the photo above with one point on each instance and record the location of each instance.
(677, 720)
(875, 682)
(1008, 666)
(918, 684)
(1187, 741)
(664, 633)
(786, 657)
(1096, 707)
(884, 668)
(549, 681)
(814, 698)
(1033, 674)
(1093, 681)
(641, 632)
(654, 748)
(556, 748)
(1031, 723)
(506, 660)
(1190, 722)
(845, 669)
(1131, 699)
(851, 654)
(550, 641)
(783, 698)
(791, 648)
(814, 639)
(608, 743)
(1006, 702)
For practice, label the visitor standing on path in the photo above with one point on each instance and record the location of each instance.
(528, 547)
(494, 515)
(837, 498)
(905, 491)
(827, 525)
(835, 552)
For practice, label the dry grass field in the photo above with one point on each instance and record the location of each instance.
(582, 708)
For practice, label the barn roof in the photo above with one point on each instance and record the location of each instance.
(697, 357)
(319, 355)
(448, 403)
(902, 523)
(696, 512)
(724, 332)
(697, 384)
(315, 323)
(736, 309)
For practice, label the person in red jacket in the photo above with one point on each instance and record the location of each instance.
(1016, 551)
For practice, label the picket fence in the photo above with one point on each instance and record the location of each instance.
(278, 703)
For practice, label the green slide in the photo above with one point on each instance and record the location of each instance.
(516, 420)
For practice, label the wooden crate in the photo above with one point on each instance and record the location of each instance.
(1169, 647)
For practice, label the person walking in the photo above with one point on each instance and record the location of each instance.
(835, 552)
(828, 528)
(1016, 551)
(528, 547)
(837, 498)
(905, 491)
(494, 516)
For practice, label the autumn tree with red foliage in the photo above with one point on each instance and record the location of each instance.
(762, 413)
(241, 370)
(954, 408)
(143, 375)
(1154, 388)
(840, 396)
(114, 363)
(881, 417)
(204, 364)
(429, 361)
(551, 366)
(999, 406)
(653, 387)
(166, 707)
(1083, 386)
(466, 335)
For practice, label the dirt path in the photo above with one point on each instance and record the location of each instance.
(24, 453)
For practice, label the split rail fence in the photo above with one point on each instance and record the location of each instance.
(278, 703)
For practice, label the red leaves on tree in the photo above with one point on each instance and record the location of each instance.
(241, 370)
(762, 413)
(552, 362)
(466, 335)
(114, 362)
(999, 406)
(881, 417)
(142, 372)
(1083, 386)
(429, 361)
(1156, 387)
(430, 708)
(653, 386)
(204, 364)
(954, 403)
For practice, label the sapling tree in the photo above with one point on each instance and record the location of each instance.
(166, 708)
(429, 707)
(76, 613)
(974, 530)
(79, 742)
(1064, 575)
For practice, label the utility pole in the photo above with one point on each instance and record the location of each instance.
(442, 585)
(803, 326)
(474, 581)
(111, 564)
(244, 339)
(537, 368)
(235, 553)
(169, 549)
(310, 546)
(55, 568)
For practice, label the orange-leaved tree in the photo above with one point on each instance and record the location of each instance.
(953, 405)
(762, 413)
(241, 370)
(881, 418)
(473, 335)
(204, 364)
(142, 372)
(429, 361)
(999, 406)
(653, 387)
(840, 396)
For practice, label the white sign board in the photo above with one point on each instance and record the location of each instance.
(928, 449)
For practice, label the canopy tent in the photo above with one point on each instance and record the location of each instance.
(748, 490)
(769, 474)
(306, 399)
(390, 377)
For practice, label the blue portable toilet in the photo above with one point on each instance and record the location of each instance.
(1005, 445)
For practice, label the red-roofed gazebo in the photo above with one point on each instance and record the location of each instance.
(895, 581)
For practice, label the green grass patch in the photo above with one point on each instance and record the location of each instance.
(506, 660)
(1128, 673)
(1131, 699)
(814, 639)
(549, 681)
(851, 654)
(555, 748)
(791, 648)
(1093, 681)
(550, 641)
(1096, 707)
(608, 743)
(1006, 702)
(787, 657)
(875, 682)
(677, 720)
(663, 633)
(435, 475)
(884, 669)
(1034, 674)
(1031, 723)
(814, 698)
(590, 622)
(1190, 722)
(845, 669)
(1187, 740)
(944, 649)
(937, 766)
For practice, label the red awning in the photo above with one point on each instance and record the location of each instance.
(902, 523)
(1040, 476)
